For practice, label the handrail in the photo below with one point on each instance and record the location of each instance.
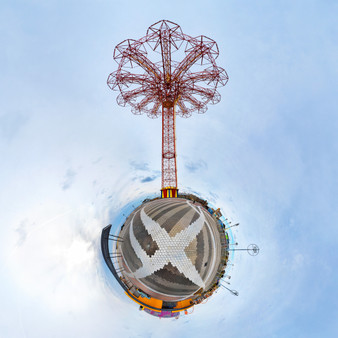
(106, 255)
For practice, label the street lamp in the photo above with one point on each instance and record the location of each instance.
(252, 249)
(234, 292)
(235, 225)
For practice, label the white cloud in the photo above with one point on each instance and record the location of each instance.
(268, 147)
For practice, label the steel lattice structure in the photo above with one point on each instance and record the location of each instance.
(170, 73)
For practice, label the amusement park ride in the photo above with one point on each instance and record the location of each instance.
(172, 252)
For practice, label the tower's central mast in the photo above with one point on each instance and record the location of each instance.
(165, 85)
(169, 171)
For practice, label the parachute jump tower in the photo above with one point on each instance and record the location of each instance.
(172, 252)
(166, 85)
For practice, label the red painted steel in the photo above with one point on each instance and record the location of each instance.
(182, 78)
(169, 171)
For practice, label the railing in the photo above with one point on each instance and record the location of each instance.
(108, 257)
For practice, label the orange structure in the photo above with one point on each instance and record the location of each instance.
(167, 73)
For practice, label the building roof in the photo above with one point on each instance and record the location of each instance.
(171, 248)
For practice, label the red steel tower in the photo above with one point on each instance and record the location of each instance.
(167, 73)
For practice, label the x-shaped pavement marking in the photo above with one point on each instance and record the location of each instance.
(171, 249)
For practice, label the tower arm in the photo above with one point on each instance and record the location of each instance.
(133, 55)
(197, 53)
(127, 79)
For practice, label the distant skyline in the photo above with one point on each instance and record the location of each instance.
(72, 158)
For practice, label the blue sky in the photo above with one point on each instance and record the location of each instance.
(72, 158)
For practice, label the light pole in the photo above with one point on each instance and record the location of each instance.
(234, 292)
(235, 225)
(252, 249)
